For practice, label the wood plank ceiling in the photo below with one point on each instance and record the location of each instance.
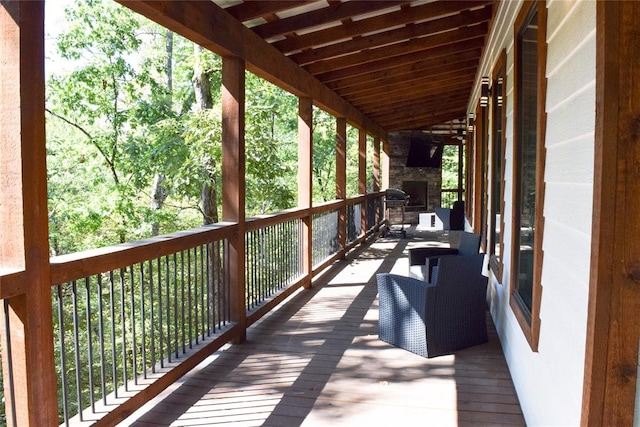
(408, 65)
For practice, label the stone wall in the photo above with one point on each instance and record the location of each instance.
(399, 144)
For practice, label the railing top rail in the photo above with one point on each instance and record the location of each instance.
(65, 268)
(261, 221)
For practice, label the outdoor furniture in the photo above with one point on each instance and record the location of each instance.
(456, 216)
(433, 319)
(442, 215)
(422, 260)
(450, 219)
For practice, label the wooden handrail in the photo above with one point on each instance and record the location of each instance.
(66, 268)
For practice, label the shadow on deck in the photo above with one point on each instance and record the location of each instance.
(317, 360)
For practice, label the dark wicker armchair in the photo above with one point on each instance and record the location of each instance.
(433, 319)
(422, 260)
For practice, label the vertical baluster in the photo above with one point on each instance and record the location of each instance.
(261, 265)
(134, 341)
(114, 364)
(103, 372)
(202, 276)
(249, 268)
(225, 284)
(280, 266)
(210, 289)
(63, 356)
(152, 317)
(160, 314)
(123, 322)
(196, 298)
(270, 280)
(143, 331)
(176, 332)
(167, 267)
(182, 310)
(76, 347)
(189, 305)
(89, 345)
(273, 281)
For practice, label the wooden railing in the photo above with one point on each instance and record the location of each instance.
(130, 319)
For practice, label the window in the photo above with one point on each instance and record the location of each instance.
(529, 92)
(482, 176)
(498, 114)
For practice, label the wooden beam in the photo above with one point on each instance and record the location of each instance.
(248, 10)
(474, 44)
(410, 87)
(613, 325)
(205, 23)
(427, 102)
(333, 12)
(24, 219)
(410, 47)
(432, 115)
(420, 91)
(407, 33)
(377, 23)
(233, 181)
(425, 122)
(418, 70)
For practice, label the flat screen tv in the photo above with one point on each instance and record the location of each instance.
(424, 153)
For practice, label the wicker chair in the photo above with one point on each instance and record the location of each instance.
(433, 319)
(422, 260)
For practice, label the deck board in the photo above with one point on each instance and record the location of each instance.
(317, 360)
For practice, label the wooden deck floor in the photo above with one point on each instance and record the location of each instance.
(317, 361)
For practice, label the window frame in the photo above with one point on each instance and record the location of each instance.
(498, 153)
(529, 320)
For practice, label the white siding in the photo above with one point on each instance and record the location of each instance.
(549, 382)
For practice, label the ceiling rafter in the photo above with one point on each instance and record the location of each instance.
(376, 24)
(334, 12)
(408, 58)
(382, 64)
(404, 34)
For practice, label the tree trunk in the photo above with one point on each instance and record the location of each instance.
(204, 100)
(209, 196)
(159, 192)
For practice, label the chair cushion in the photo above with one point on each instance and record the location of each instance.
(418, 272)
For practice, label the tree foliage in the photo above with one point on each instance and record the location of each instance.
(132, 147)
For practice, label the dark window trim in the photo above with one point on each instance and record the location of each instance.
(499, 90)
(530, 321)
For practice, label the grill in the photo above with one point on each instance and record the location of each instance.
(395, 199)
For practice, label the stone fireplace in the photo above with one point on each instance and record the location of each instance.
(418, 192)
(411, 170)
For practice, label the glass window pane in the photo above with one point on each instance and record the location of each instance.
(527, 150)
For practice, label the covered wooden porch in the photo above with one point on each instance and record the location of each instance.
(317, 360)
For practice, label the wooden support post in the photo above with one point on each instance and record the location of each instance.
(305, 181)
(376, 164)
(384, 168)
(362, 176)
(461, 166)
(341, 177)
(233, 179)
(23, 216)
(613, 325)
(376, 173)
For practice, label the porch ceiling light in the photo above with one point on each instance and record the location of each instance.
(485, 92)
